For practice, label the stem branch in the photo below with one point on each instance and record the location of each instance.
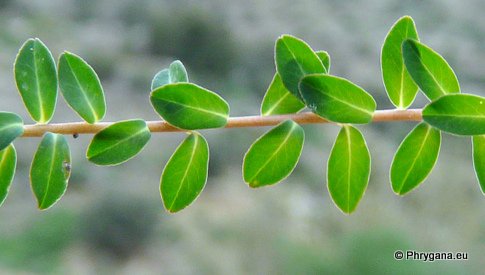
(71, 128)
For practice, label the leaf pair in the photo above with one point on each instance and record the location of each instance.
(36, 79)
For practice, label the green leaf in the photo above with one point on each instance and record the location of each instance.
(81, 87)
(11, 127)
(400, 87)
(118, 142)
(294, 60)
(278, 100)
(8, 162)
(460, 114)
(272, 157)
(36, 79)
(348, 169)
(50, 170)
(174, 74)
(325, 59)
(429, 70)
(415, 158)
(185, 174)
(337, 99)
(479, 159)
(188, 106)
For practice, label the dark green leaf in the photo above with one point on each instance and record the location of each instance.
(272, 157)
(185, 174)
(35, 75)
(337, 99)
(415, 158)
(8, 162)
(11, 127)
(325, 59)
(278, 100)
(348, 169)
(174, 74)
(81, 87)
(479, 160)
(119, 142)
(460, 114)
(50, 170)
(294, 60)
(429, 70)
(400, 87)
(188, 106)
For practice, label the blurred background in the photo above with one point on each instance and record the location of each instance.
(111, 219)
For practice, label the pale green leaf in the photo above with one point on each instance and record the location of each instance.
(348, 169)
(36, 79)
(415, 158)
(272, 157)
(50, 170)
(118, 142)
(174, 74)
(337, 99)
(479, 160)
(429, 70)
(460, 114)
(400, 87)
(278, 100)
(188, 106)
(185, 174)
(325, 59)
(8, 163)
(11, 127)
(81, 87)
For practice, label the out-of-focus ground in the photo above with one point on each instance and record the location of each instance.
(111, 221)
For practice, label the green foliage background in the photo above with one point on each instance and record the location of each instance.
(111, 219)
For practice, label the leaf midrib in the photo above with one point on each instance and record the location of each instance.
(192, 107)
(51, 168)
(39, 94)
(118, 143)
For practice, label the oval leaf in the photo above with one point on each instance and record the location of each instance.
(50, 170)
(174, 74)
(11, 127)
(325, 59)
(272, 157)
(348, 169)
(185, 174)
(81, 87)
(479, 160)
(429, 70)
(8, 162)
(36, 79)
(415, 158)
(118, 142)
(294, 60)
(278, 100)
(400, 87)
(337, 99)
(188, 106)
(460, 114)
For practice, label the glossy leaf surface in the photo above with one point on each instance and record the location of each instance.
(278, 100)
(185, 174)
(8, 163)
(81, 87)
(11, 127)
(175, 73)
(348, 169)
(400, 87)
(50, 170)
(119, 142)
(294, 60)
(415, 158)
(337, 99)
(460, 114)
(429, 70)
(272, 157)
(36, 79)
(188, 106)
(479, 160)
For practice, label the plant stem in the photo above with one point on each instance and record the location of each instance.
(71, 128)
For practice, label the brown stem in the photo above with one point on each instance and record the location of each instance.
(71, 128)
